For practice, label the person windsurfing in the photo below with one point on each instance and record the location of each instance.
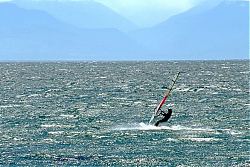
(166, 117)
(157, 110)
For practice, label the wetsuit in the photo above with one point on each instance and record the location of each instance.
(166, 117)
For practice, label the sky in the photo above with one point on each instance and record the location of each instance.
(152, 11)
(147, 13)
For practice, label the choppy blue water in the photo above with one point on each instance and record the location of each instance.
(96, 114)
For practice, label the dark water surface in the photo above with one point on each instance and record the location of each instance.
(97, 113)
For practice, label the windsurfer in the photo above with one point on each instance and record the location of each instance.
(166, 116)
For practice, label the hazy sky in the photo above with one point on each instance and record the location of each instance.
(150, 12)
(147, 12)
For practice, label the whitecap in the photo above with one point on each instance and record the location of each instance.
(194, 130)
(6, 106)
(48, 140)
(103, 94)
(138, 102)
(67, 116)
(200, 139)
(202, 100)
(136, 126)
(182, 89)
(56, 126)
(34, 95)
(171, 139)
(56, 132)
(233, 132)
(20, 96)
(225, 67)
(237, 90)
(245, 72)
(10, 106)
(48, 126)
(145, 127)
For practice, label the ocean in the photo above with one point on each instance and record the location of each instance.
(97, 114)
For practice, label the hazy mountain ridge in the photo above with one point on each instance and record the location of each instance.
(82, 14)
(34, 34)
(220, 32)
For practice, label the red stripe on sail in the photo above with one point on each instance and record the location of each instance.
(163, 101)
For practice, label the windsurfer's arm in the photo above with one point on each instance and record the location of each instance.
(159, 114)
(163, 113)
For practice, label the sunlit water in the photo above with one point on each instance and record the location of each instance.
(97, 113)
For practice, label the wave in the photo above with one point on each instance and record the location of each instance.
(143, 126)
(147, 127)
(201, 139)
(56, 126)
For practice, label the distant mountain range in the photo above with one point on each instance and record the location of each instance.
(220, 32)
(46, 30)
(82, 14)
(34, 34)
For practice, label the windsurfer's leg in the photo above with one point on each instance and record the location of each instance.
(165, 119)
(157, 123)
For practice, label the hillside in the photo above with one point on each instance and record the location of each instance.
(82, 14)
(218, 33)
(36, 35)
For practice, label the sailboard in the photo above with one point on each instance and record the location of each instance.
(166, 95)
